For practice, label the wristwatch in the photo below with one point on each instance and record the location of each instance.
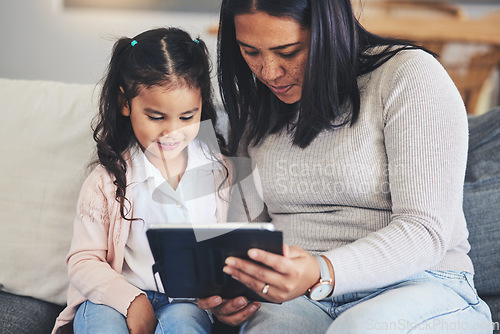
(324, 287)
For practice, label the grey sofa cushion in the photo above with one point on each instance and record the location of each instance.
(26, 315)
(482, 203)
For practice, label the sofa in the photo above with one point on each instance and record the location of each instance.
(46, 145)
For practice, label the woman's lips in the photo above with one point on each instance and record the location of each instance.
(168, 146)
(280, 90)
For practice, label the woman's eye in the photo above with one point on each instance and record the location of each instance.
(187, 118)
(288, 55)
(250, 53)
(155, 118)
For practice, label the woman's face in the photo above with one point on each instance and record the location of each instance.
(275, 49)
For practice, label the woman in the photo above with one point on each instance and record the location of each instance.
(361, 145)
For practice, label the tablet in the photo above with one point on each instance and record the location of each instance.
(189, 258)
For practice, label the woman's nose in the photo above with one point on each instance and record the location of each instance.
(271, 69)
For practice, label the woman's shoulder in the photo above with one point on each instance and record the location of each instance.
(414, 55)
(408, 65)
(408, 60)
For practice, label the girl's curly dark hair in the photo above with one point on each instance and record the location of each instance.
(157, 57)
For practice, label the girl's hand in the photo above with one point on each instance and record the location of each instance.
(288, 276)
(141, 317)
(232, 312)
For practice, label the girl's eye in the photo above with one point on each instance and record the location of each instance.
(187, 118)
(155, 118)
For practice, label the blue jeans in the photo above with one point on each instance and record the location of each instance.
(173, 317)
(429, 302)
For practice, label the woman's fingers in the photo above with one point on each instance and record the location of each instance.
(253, 275)
(279, 263)
(209, 303)
(287, 277)
(231, 306)
(239, 317)
(233, 312)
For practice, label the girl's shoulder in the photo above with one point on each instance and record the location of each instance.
(219, 158)
(100, 180)
(201, 148)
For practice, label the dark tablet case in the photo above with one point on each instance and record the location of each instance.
(192, 269)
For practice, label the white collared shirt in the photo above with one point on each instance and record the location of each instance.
(156, 202)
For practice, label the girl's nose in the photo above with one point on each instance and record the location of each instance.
(169, 129)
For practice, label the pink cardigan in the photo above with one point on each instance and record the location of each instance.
(97, 249)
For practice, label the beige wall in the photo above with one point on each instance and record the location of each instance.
(41, 40)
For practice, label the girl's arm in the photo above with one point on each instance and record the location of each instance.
(141, 316)
(96, 255)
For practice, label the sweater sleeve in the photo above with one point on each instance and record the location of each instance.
(425, 138)
(92, 254)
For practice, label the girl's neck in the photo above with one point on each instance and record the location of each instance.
(173, 170)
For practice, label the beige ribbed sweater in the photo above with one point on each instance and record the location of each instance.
(383, 198)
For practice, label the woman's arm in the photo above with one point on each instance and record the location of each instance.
(425, 139)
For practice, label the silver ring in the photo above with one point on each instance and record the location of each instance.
(265, 289)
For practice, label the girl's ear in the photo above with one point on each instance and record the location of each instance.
(125, 109)
(122, 101)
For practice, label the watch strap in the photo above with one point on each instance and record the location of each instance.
(323, 268)
(330, 266)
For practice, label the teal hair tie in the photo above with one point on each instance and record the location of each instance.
(133, 43)
(196, 40)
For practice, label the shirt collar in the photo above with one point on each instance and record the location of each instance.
(199, 158)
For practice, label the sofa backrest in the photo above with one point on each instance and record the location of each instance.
(482, 205)
(45, 146)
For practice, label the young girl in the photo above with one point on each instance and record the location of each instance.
(157, 164)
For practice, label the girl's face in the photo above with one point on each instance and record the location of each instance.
(165, 121)
(275, 49)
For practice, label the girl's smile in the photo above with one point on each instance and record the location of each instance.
(168, 146)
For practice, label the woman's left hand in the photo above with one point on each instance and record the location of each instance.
(288, 276)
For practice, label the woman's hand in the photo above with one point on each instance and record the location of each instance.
(141, 317)
(288, 276)
(233, 312)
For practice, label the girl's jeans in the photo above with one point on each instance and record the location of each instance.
(429, 302)
(173, 317)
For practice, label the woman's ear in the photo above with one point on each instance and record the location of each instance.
(123, 102)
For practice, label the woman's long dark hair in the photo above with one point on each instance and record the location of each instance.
(158, 57)
(338, 55)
